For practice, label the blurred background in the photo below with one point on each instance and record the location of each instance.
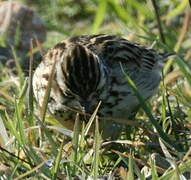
(164, 23)
(133, 19)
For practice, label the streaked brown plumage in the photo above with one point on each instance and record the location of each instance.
(88, 71)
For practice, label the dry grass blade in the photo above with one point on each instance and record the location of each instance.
(75, 139)
(2, 107)
(6, 96)
(11, 82)
(64, 131)
(87, 128)
(184, 29)
(47, 93)
(168, 156)
(183, 32)
(97, 144)
(172, 77)
(133, 143)
(140, 161)
(31, 171)
(4, 138)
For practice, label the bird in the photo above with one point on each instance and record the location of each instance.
(88, 70)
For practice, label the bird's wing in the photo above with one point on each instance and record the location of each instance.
(113, 49)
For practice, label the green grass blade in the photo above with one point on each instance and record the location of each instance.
(153, 170)
(162, 134)
(11, 125)
(87, 128)
(184, 68)
(130, 175)
(20, 123)
(100, 14)
(30, 89)
(183, 167)
(141, 8)
(75, 141)
(18, 66)
(57, 162)
(179, 9)
(121, 12)
(23, 91)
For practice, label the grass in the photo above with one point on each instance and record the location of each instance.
(34, 146)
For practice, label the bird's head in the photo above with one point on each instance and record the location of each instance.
(80, 76)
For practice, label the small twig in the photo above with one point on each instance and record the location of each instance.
(183, 32)
(17, 157)
(190, 3)
(156, 8)
(184, 29)
(27, 173)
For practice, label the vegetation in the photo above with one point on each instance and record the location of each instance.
(158, 140)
